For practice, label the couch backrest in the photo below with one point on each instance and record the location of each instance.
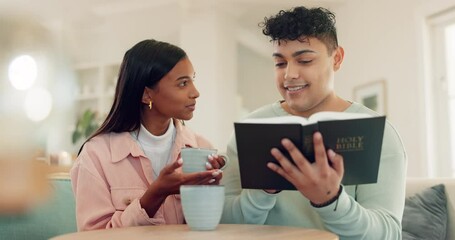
(55, 217)
(415, 185)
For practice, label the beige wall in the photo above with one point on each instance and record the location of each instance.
(383, 39)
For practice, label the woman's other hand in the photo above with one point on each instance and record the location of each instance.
(216, 161)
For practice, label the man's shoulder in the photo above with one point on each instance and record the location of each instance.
(269, 110)
(359, 108)
(392, 142)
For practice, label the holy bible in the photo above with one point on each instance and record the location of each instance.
(356, 136)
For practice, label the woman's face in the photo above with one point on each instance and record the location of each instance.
(175, 94)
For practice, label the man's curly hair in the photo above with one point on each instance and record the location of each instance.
(300, 23)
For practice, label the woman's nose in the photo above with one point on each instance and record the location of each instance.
(194, 92)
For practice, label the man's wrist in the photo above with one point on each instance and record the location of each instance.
(328, 202)
(271, 191)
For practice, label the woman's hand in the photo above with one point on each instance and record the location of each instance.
(216, 161)
(169, 182)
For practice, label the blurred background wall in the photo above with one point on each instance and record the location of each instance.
(79, 44)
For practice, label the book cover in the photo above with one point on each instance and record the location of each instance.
(358, 140)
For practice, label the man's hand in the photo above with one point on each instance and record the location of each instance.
(318, 181)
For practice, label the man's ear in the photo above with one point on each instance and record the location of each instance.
(338, 58)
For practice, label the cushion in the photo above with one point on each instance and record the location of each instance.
(425, 214)
(55, 217)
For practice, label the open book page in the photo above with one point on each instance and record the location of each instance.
(327, 115)
(312, 119)
(278, 120)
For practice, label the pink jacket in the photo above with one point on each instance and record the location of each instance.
(112, 173)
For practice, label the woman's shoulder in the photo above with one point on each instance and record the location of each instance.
(97, 141)
(191, 137)
(103, 143)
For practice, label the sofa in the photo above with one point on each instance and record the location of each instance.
(54, 217)
(419, 185)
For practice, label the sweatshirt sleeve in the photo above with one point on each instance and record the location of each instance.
(376, 214)
(373, 211)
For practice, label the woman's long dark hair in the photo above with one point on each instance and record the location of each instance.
(144, 65)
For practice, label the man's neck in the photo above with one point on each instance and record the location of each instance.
(336, 104)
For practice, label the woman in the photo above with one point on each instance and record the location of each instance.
(128, 172)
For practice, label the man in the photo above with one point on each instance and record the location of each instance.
(306, 56)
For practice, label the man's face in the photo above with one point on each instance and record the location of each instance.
(304, 74)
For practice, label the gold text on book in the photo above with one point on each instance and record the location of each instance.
(352, 143)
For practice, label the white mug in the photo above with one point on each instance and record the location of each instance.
(202, 205)
(195, 159)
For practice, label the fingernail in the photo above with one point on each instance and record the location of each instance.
(180, 161)
(211, 180)
(216, 173)
(210, 157)
(331, 153)
(208, 165)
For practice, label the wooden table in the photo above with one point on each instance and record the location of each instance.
(222, 232)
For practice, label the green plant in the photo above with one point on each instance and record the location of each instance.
(85, 125)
